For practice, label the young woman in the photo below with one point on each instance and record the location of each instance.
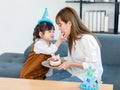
(83, 46)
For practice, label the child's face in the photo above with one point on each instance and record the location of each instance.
(48, 35)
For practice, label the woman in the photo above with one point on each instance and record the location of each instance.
(83, 49)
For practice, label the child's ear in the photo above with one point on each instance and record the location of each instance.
(40, 34)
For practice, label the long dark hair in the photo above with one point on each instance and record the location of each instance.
(42, 27)
(78, 28)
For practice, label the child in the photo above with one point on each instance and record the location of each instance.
(42, 49)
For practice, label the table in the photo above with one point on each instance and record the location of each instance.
(27, 84)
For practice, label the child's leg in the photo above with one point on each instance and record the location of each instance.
(59, 75)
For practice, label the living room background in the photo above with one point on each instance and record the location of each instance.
(19, 17)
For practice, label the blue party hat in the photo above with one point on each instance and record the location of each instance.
(45, 17)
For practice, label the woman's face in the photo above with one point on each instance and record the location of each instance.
(64, 27)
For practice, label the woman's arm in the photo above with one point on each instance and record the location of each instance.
(69, 64)
(91, 52)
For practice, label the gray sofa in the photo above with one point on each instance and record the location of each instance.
(11, 63)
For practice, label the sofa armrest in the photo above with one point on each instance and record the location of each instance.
(27, 51)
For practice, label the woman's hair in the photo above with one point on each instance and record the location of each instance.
(78, 28)
(41, 27)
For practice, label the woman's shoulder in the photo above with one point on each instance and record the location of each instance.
(87, 36)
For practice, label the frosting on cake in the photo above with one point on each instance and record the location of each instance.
(55, 60)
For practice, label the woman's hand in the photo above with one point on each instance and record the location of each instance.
(64, 65)
(49, 58)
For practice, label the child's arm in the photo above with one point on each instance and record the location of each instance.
(60, 39)
(41, 47)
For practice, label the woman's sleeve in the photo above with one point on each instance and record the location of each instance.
(90, 51)
(45, 49)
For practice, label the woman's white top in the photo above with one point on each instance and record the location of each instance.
(86, 51)
(41, 46)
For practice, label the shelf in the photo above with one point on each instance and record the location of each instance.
(110, 31)
(104, 32)
(72, 1)
(87, 2)
(99, 2)
(116, 12)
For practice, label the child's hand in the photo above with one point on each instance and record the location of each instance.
(63, 36)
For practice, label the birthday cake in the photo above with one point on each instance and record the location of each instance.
(55, 60)
(89, 82)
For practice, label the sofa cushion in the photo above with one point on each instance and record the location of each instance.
(10, 69)
(111, 75)
(63, 49)
(12, 57)
(110, 50)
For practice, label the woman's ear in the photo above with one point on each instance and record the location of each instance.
(69, 23)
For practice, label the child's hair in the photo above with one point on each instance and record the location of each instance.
(42, 27)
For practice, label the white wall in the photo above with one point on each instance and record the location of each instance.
(19, 17)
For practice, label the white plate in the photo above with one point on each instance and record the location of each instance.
(47, 64)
